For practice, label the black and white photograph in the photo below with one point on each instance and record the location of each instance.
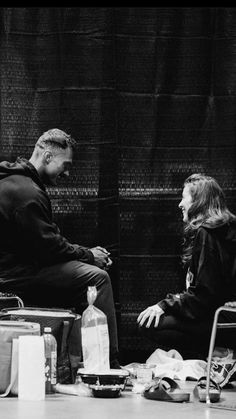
(118, 212)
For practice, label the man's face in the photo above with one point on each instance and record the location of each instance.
(58, 165)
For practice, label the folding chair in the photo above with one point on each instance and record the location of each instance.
(217, 325)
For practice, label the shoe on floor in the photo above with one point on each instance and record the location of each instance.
(199, 390)
(165, 389)
(223, 355)
(221, 372)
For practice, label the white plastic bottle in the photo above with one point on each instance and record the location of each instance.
(50, 346)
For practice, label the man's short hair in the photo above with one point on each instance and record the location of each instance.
(55, 138)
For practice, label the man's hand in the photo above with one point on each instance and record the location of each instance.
(150, 313)
(101, 257)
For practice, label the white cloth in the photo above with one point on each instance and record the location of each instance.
(171, 364)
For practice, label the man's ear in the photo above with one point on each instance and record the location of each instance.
(47, 156)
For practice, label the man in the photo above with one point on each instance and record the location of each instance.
(36, 261)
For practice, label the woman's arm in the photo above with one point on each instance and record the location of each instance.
(206, 292)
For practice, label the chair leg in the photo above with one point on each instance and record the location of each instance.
(210, 352)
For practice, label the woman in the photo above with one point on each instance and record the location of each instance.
(183, 321)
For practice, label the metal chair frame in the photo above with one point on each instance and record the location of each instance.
(216, 325)
(8, 296)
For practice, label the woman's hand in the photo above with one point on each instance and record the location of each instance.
(150, 313)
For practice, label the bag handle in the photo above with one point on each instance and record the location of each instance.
(46, 309)
(13, 385)
(65, 332)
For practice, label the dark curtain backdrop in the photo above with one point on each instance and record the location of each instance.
(149, 96)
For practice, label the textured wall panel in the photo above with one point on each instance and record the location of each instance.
(149, 95)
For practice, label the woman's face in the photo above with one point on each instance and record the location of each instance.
(186, 202)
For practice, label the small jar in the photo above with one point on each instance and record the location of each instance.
(144, 373)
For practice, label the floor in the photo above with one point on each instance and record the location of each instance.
(128, 406)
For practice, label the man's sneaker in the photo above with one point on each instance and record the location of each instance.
(218, 355)
(221, 372)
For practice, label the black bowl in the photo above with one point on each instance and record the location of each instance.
(106, 391)
(105, 378)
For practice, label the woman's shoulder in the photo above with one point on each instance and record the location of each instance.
(206, 236)
(203, 233)
(224, 232)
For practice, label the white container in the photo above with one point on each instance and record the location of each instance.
(31, 378)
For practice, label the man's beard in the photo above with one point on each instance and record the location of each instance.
(49, 181)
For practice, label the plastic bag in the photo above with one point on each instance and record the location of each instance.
(95, 337)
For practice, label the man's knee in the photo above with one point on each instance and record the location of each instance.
(102, 277)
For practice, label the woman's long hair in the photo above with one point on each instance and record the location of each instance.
(208, 209)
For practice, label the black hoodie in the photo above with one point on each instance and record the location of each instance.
(29, 239)
(211, 276)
